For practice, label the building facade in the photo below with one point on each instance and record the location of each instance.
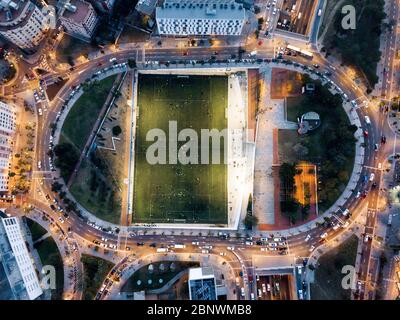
(7, 130)
(200, 18)
(202, 285)
(16, 262)
(105, 6)
(23, 23)
(79, 19)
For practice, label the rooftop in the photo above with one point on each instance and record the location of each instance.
(199, 10)
(77, 10)
(12, 9)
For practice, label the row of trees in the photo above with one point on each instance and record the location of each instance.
(359, 47)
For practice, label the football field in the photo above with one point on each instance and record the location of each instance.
(178, 193)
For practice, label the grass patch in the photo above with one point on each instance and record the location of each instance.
(95, 193)
(144, 275)
(94, 272)
(83, 115)
(37, 231)
(194, 193)
(328, 275)
(49, 255)
(331, 146)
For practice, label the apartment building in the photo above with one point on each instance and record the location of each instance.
(17, 273)
(23, 23)
(7, 130)
(200, 18)
(79, 19)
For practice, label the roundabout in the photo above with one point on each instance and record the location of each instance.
(88, 229)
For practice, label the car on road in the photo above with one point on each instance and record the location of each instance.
(205, 251)
(272, 244)
(367, 120)
(195, 243)
(311, 248)
(366, 133)
(346, 213)
(376, 147)
(358, 194)
(372, 177)
(335, 227)
(140, 244)
(230, 248)
(379, 166)
(308, 237)
(324, 235)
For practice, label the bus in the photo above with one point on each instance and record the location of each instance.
(304, 53)
(179, 246)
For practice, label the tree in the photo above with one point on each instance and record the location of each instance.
(250, 222)
(116, 131)
(66, 158)
(132, 63)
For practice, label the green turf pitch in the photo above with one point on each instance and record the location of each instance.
(171, 193)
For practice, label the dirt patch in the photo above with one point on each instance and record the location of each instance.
(285, 83)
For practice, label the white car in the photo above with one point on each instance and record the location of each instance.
(308, 237)
(264, 289)
(367, 120)
(195, 243)
(39, 164)
(379, 166)
(311, 248)
(372, 177)
(335, 227)
(358, 194)
(324, 235)
(345, 225)
(230, 248)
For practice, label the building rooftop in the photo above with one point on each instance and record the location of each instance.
(200, 10)
(76, 11)
(146, 6)
(10, 10)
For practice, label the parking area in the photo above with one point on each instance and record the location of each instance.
(296, 16)
(273, 287)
